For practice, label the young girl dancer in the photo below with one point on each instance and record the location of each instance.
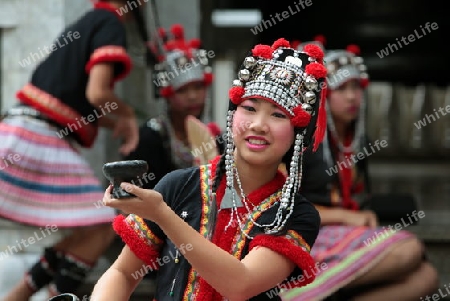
(235, 228)
(70, 95)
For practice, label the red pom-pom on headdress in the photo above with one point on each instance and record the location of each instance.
(354, 49)
(314, 51)
(264, 51)
(281, 42)
(301, 117)
(364, 82)
(295, 43)
(177, 31)
(208, 78)
(162, 33)
(166, 92)
(235, 94)
(317, 70)
(170, 45)
(320, 38)
(195, 43)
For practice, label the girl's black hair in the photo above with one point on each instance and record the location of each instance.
(220, 170)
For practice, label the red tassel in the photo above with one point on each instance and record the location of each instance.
(177, 31)
(208, 78)
(354, 49)
(314, 51)
(317, 70)
(281, 43)
(301, 117)
(321, 125)
(264, 51)
(166, 91)
(235, 94)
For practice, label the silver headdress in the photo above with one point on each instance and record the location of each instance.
(180, 62)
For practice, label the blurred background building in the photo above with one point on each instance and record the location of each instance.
(408, 84)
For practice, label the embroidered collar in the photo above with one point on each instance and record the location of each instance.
(108, 7)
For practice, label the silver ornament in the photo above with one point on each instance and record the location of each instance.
(244, 75)
(343, 60)
(237, 83)
(310, 97)
(311, 83)
(249, 62)
(307, 108)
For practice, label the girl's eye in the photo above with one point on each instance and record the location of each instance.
(248, 108)
(279, 115)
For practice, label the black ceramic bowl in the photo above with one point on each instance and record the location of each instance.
(124, 171)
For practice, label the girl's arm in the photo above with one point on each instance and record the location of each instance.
(236, 280)
(121, 279)
(100, 93)
(261, 270)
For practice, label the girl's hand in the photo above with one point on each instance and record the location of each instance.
(359, 218)
(146, 204)
(127, 129)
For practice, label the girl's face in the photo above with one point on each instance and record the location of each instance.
(345, 101)
(262, 132)
(188, 100)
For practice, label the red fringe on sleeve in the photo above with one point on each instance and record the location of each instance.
(137, 244)
(288, 248)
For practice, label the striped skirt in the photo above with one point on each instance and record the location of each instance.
(44, 180)
(343, 254)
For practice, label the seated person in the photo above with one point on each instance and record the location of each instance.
(183, 76)
(359, 259)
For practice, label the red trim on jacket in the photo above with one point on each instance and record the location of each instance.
(61, 113)
(113, 54)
